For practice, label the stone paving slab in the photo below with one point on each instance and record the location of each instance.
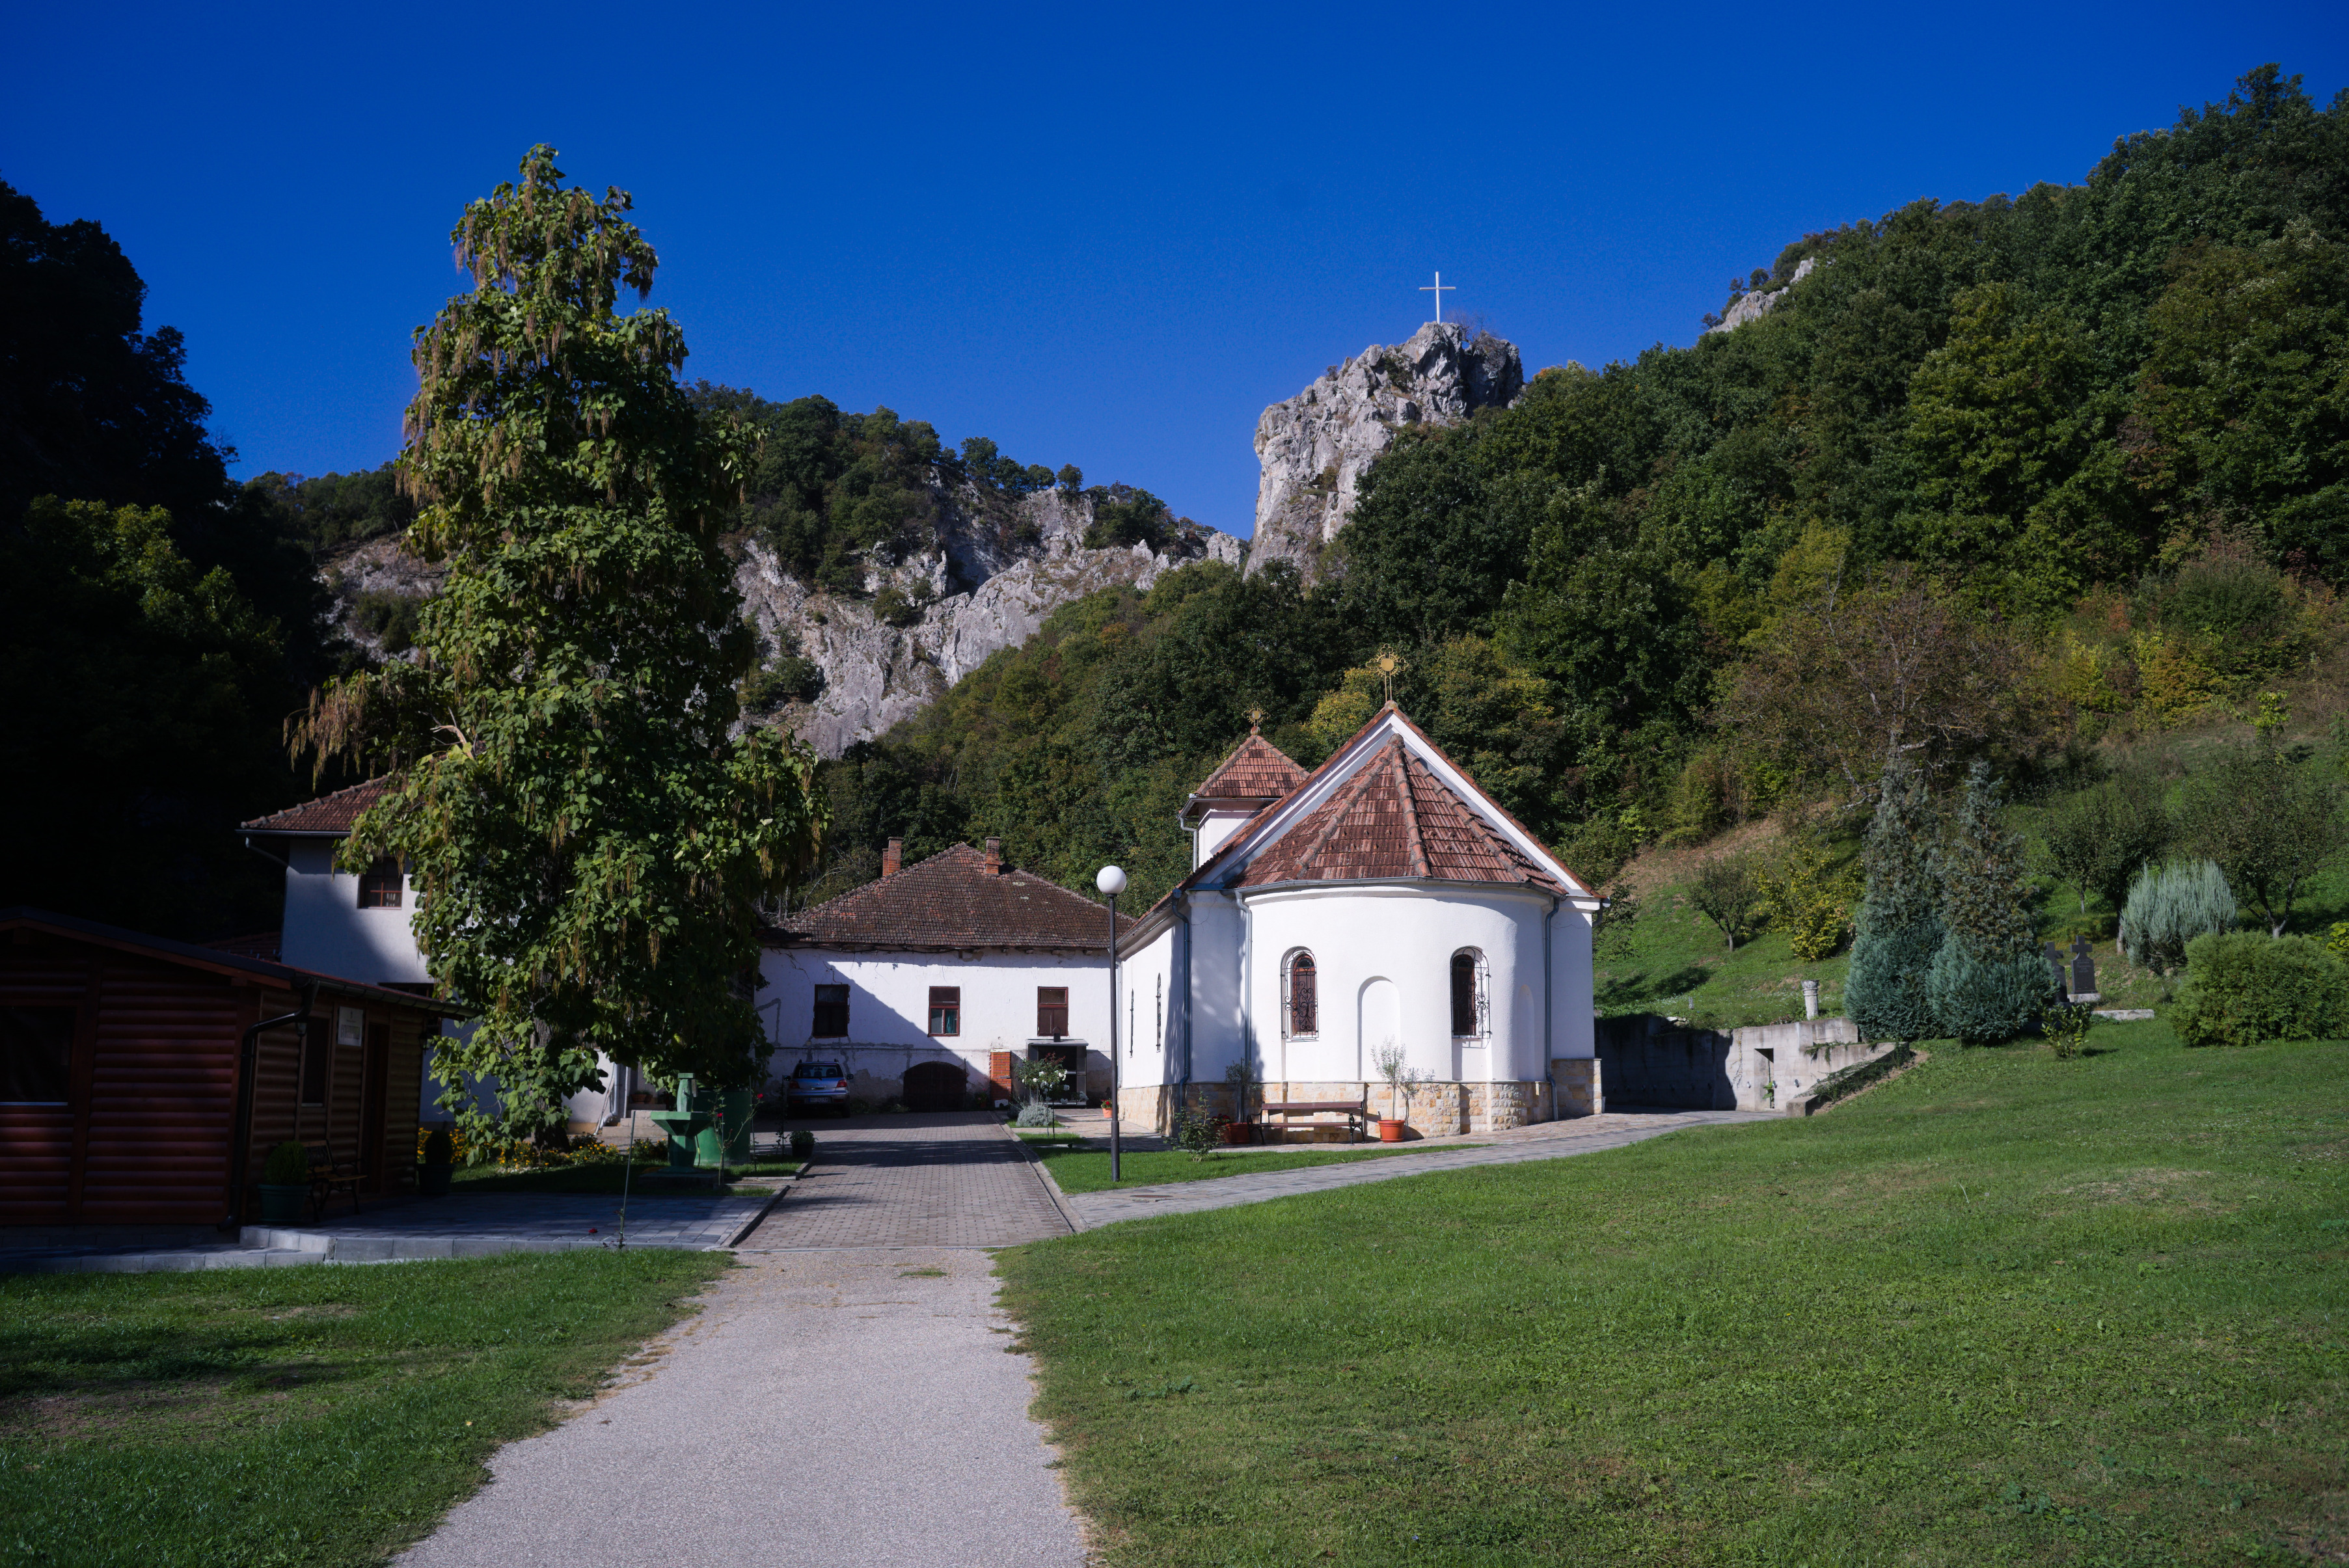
(949, 1179)
(1544, 1141)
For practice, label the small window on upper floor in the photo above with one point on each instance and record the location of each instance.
(946, 1009)
(830, 1022)
(1467, 993)
(1303, 1013)
(380, 885)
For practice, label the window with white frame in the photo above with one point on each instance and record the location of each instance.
(1469, 1016)
(1300, 999)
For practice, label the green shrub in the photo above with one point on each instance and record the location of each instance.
(1884, 995)
(1981, 1001)
(2244, 988)
(2169, 906)
(803, 1144)
(892, 607)
(1199, 1132)
(439, 1148)
(288, 1165)
(2066, 1027)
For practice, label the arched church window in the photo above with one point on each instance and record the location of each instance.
(1468, 1016)
(1304, 999)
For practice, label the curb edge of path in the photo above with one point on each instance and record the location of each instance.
(755, 1220)
(1051, 1188)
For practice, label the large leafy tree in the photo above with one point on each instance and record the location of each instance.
(589, 837)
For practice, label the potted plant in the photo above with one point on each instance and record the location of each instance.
(285, 1185)
(1242, 1128)
(432, 1169)
(1393, 1066)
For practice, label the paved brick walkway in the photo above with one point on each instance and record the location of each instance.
(950, 1178)
(1545, 1141)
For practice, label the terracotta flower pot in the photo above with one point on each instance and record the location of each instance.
(1391, 1129)
(1239, 1132)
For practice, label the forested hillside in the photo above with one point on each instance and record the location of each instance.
(2000, 478)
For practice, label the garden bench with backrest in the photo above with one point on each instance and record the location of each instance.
(329, 1176)
(1355, 1112)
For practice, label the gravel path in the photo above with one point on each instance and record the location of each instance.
(834, 1404)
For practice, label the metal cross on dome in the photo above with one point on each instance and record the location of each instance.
(1437, 288)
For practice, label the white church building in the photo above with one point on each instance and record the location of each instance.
(1381, 901)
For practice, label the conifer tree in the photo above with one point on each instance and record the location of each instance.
(1898, 930)
(588, 837)
(1989, 981)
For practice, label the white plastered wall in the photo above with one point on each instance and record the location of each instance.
(1403, 934)
(889, 1000)
(1148, 1018)
(1571, 1008)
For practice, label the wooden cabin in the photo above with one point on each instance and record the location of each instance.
(119, 1084)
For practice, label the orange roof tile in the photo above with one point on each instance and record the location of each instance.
(332, 813)
(1256, 770)
(952, 901)
(1395, 819)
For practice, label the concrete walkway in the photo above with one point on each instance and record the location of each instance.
(1545, 1141)
(390, 1230)
(835, 1403)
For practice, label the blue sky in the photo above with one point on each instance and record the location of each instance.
(1098, 235)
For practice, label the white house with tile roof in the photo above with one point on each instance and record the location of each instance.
(927, 984)
(1382, 900)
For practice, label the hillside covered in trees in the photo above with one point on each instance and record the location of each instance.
(1997, 478)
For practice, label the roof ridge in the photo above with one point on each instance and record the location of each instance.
(1400, 763)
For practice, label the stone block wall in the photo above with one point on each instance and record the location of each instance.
(1581, 1089)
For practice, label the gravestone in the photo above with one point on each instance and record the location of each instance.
(2084, 971)
(2055, 961)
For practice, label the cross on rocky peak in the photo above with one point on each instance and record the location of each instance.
(1437, 288)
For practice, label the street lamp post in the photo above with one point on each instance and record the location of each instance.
(1112, 882)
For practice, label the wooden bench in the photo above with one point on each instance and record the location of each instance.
(1354, 1110)
(327, 1177)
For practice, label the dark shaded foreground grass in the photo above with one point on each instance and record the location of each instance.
(313, 1416)
(1086, 1169)
(2000, 1309)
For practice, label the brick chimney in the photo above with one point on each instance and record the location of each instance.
(994, 857)
(893, 857)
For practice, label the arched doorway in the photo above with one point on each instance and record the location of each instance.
(937, 1085)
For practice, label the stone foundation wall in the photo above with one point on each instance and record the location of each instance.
(1581, 1089)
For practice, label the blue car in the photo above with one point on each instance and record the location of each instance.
(817, 1084)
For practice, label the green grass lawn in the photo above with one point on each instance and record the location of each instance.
(486, 1180)
(2003, 1308)
(313, 1416)
(1086, 1169)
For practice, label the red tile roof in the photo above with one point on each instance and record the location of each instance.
(332, 813)
(952, 901)
(1256, 770)
(1394, 818)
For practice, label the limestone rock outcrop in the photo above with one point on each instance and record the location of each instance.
(1755, 303)
(999, 565)
(877, 674)
(1314, 446)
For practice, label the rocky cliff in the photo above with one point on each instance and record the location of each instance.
(999, 566)
(1314, 446)
(1755, 303)
(886, 655)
